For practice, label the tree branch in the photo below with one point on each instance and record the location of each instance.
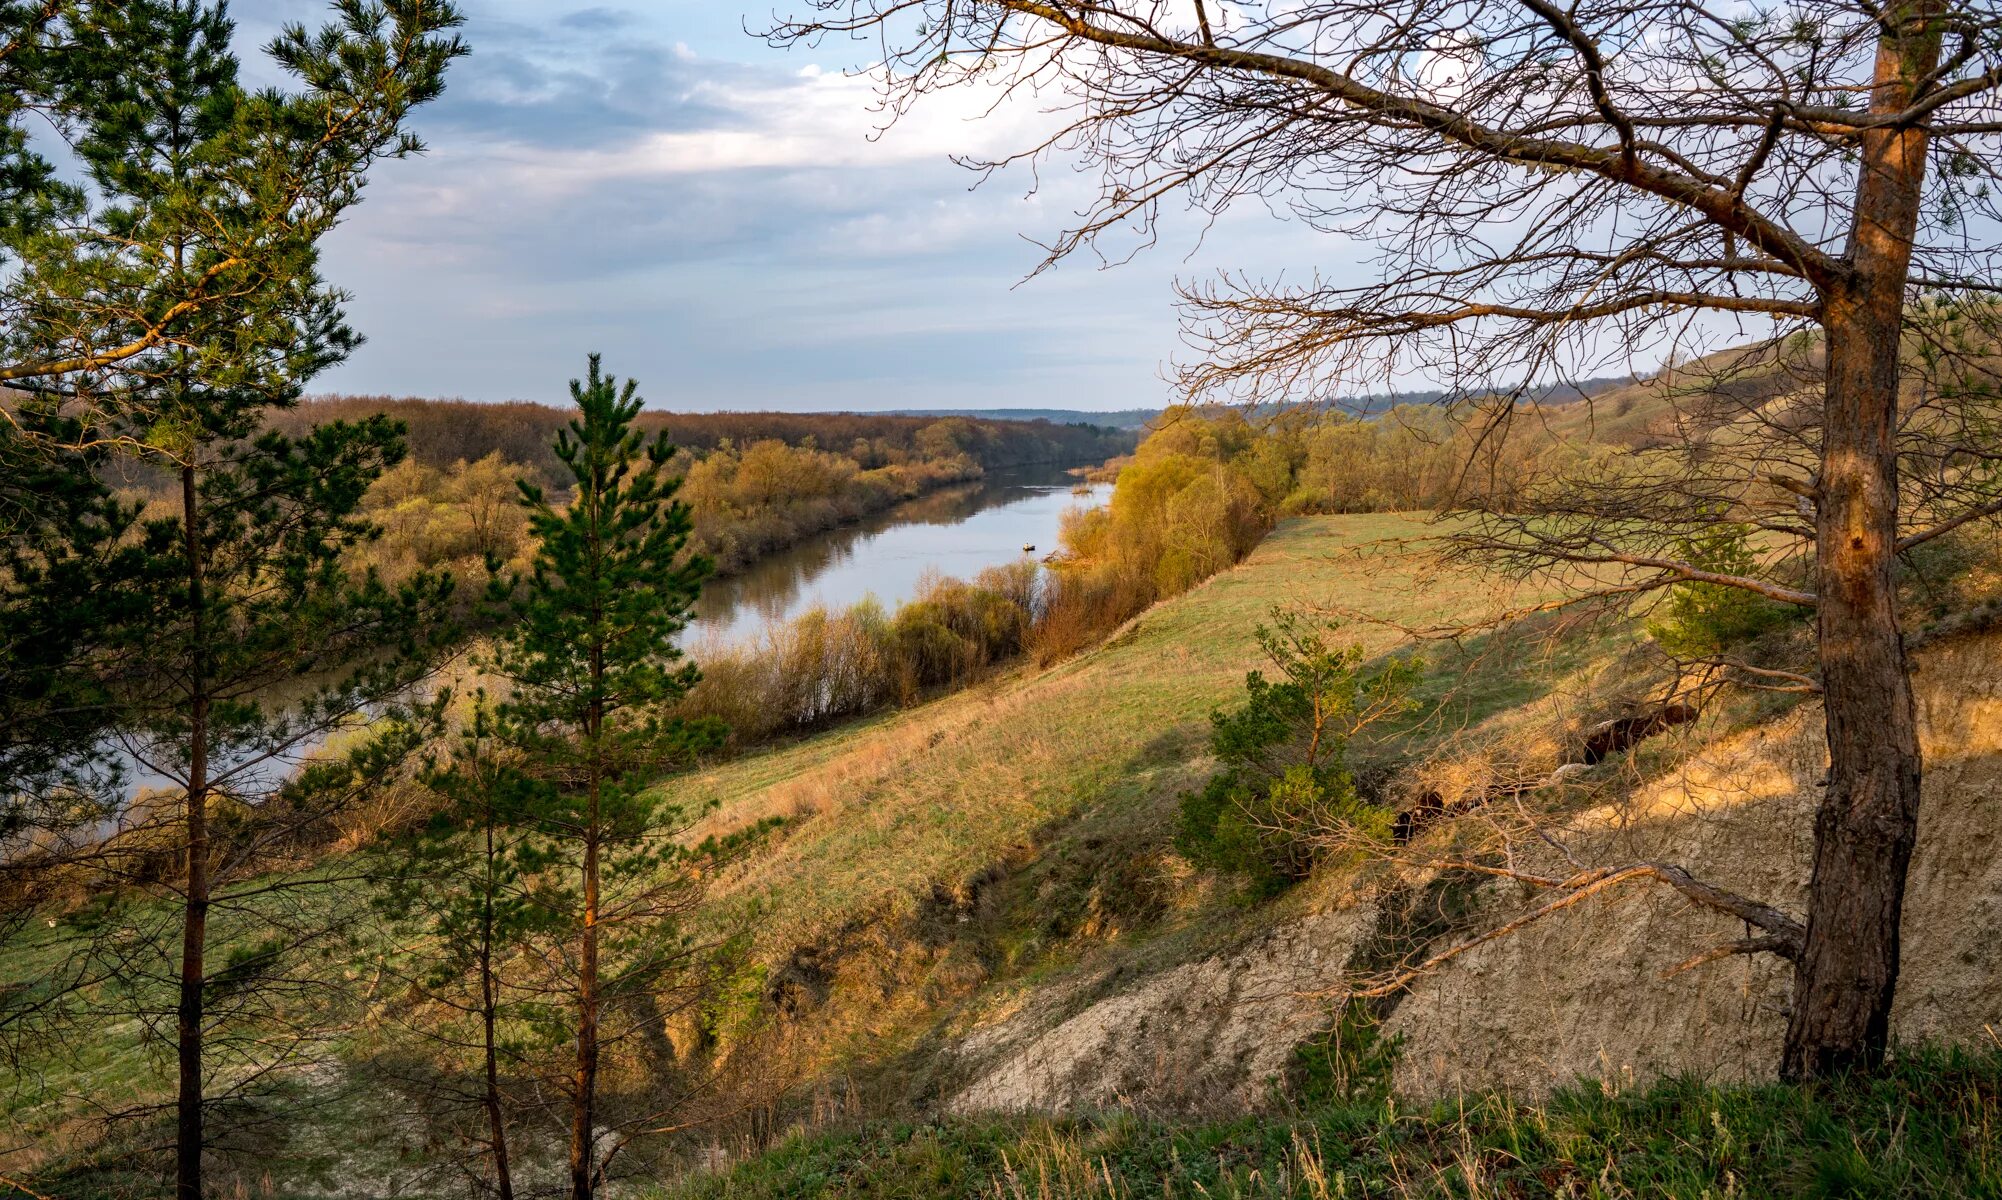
(1785, 934)
(1910, 540)
(1719, 204)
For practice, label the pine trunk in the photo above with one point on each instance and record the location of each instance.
(1868, 819)
(583, 1116)
(489, 1005)
(189, 1012)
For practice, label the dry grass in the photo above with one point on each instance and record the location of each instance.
(882, 810)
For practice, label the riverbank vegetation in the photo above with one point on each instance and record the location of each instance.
(756, 482)
(1186, 506)
(442, 432)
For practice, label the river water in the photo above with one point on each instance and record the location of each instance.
(956, 532)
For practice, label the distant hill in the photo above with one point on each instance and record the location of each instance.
(1363, 405)
(1124, 418)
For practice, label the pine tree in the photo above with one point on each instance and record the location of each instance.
(69, 567)
(59, 524)
(214, 197)
(461, 888)
(37, 52)
(594, 671)
(201, 203)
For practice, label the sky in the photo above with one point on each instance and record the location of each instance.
(715, 217)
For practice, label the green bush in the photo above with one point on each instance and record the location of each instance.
(1702, 620)
(1350, 1062)
(1284, 794)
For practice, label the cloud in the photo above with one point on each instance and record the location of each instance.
(548, 165)
(737, 230)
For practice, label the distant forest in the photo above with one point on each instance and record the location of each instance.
(442, 432)
(1122, 418)
(1141, 419)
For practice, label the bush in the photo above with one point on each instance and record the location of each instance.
(1284, 794)
(824, 666)
(1350, 1062)
(1702, 620)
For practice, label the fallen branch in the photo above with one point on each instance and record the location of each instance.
(1784, 935)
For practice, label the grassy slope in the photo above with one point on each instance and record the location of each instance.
(938, 862)
(1104, 744)
(1028, 770)
(885, 809)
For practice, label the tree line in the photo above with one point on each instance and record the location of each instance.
(441, 432)
(757, 481)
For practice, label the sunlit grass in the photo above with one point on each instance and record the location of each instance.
(882, 809)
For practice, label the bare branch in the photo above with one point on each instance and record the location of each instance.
(1785, 934)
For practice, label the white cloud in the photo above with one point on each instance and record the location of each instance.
(736, 233)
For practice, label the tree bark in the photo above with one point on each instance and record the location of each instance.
(582, 1143)
(1868, 819)
(189, 1012)
(489, 1003)
(582, 1115)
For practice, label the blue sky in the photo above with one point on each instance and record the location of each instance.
(713, 215)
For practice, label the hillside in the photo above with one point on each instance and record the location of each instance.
(976, 899)
(974, 912)
(973, 907)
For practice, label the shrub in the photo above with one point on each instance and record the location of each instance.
(1350, 1062)
(1702, 620)
(1284, 794)
(823, 666)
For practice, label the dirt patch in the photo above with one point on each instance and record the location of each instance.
(1583, 995)
(1208, 1035)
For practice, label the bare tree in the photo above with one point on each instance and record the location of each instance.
(1551, 188)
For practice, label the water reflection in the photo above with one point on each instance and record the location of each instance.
(955, 532)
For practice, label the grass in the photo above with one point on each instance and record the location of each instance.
(1929, 1126)
(882, 810)
(1061, 785)
(887, 807)
(938, 864)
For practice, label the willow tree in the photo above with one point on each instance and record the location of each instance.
(1549, 187)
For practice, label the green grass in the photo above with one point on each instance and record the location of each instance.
(1930, 1126)
(882, 810)
(1043, 805)
(1054, 791)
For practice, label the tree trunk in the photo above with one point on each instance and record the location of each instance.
(489, 1003)
(189, 1014)
(582, 1115)
(1868, 820)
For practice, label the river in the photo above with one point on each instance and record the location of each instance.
(956, 532)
